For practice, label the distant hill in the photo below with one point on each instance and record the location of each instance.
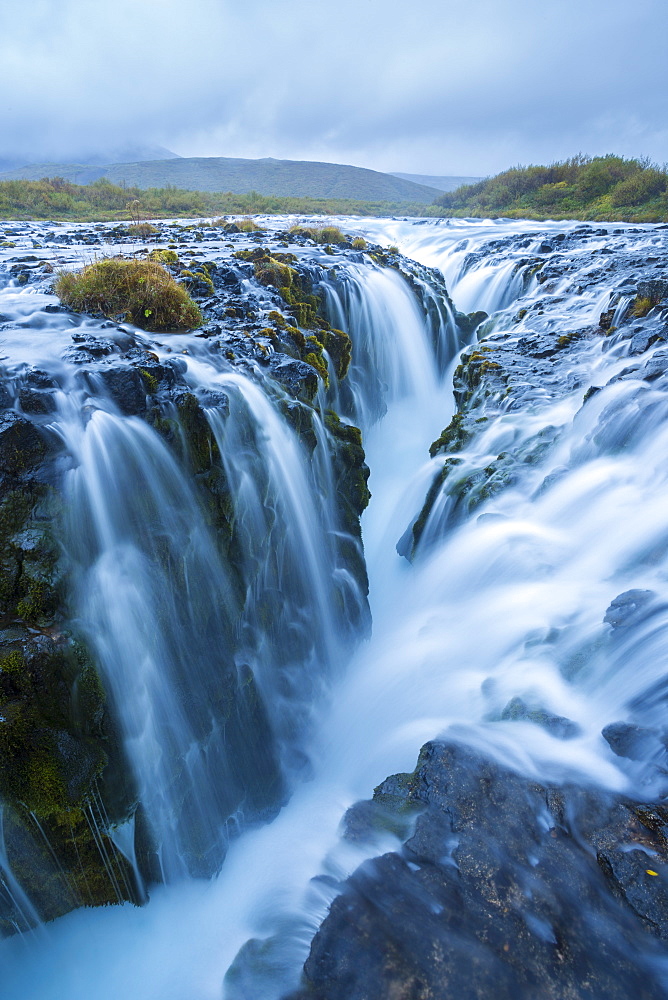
(286, 178)
(86, 158)
(441, 183)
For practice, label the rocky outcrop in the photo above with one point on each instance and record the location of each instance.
(501, 886)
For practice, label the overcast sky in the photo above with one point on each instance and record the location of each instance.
(424, 86)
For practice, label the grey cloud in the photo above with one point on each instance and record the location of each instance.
(460, 87)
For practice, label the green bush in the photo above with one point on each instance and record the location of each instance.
(137, 291)
(605, 187)
(321, 234)
(639, 187)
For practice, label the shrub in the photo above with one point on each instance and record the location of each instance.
(139, 292)
(331, 234)
(359, 243)
(321, 234)
(639, 187)
(307, 231)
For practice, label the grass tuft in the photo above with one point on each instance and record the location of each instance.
(142, 229)
(141, 292)
(321, 234)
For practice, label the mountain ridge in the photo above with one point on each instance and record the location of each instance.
(268, 176)
(441, 182)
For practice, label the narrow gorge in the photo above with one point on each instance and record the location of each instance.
(333, 631)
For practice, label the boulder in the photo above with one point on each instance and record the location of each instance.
(505, 888)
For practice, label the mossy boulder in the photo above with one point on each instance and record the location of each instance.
(21, 444)
(353, 473)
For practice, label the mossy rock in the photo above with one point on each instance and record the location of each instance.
(188, 432)
(32, 569)
(164, 256)
(198, 282)
(22, 446)
(352, 490)
(339, 347)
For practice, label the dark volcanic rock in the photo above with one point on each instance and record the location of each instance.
(629, 608)
(34, 401)
(506, 889)
(126, 388)
(21, 445)
(629, 740)
(654, 289)
(298, 377)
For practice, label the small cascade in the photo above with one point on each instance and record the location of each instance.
(286, 532)
(14, 900)
(394, 353)
(158, 606)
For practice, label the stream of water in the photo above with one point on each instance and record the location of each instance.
(508, 603)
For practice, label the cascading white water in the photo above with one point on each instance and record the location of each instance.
(27, 918)
(286, 531)
(157, 604)
(508, 604)
(392, 354)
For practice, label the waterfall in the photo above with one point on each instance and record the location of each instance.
(520, 594)
(394, 354)
(156, 601)
(293, 577)
(24, 916)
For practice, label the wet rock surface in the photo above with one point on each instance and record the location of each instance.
(504, 887)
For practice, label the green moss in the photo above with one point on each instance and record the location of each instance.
(141, 292)
(164, 256)
(641, 306)
(198, 281)
(149, 380)
(298, 337)
(270, 271)
(316, 361)
(34, 604)
(201, 444)
(278, 318)
(453, 438)
(353, 490)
